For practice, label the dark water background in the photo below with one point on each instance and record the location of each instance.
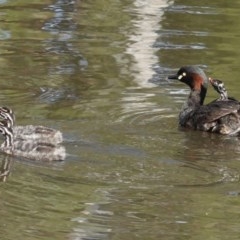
(97, 71)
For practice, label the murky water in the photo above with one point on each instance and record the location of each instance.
(97, 71)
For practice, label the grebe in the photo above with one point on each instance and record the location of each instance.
(218, 85)
(34, 150)
(31, 132)
(218, 116)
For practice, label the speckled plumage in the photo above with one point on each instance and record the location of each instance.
(34, 150)
(219, 87)
(31, 132)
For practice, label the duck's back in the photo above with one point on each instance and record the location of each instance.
(218, 116)
(39, 151)
(41, 133)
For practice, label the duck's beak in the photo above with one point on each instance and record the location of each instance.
(173, 77)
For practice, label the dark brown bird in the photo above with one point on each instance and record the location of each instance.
(218, 116)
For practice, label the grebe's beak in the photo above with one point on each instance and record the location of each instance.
(173, 77)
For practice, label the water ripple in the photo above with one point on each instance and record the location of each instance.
(192, 10)
(139, 108)
(52, 95)
(164, 45)
(145, 115)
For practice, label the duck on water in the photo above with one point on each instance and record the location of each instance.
(30, 132)
(219, 116)
(31, 149)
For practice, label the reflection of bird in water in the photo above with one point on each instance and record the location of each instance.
(5, 169)
(31, 132)
(31, 149)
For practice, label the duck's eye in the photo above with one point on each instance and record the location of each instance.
(182, 75)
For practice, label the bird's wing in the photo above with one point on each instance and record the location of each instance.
(215, 110)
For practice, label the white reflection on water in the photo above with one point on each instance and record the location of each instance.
(141, 41)
(62, 26)
(92, 222)
(138, 106)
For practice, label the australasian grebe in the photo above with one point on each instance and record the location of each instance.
(218, 85)
(34, 150)
(218, 116)
(31, 132)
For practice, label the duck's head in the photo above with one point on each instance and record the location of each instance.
(195, 78)
(218, 85)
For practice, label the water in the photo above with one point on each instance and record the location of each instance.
(97, 71)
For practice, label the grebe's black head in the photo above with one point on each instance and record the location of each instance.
(195, 78)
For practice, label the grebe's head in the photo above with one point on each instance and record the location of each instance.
(218, 85)
(195, 78)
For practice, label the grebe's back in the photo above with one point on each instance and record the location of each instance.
(34, 150)
(31, 132)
